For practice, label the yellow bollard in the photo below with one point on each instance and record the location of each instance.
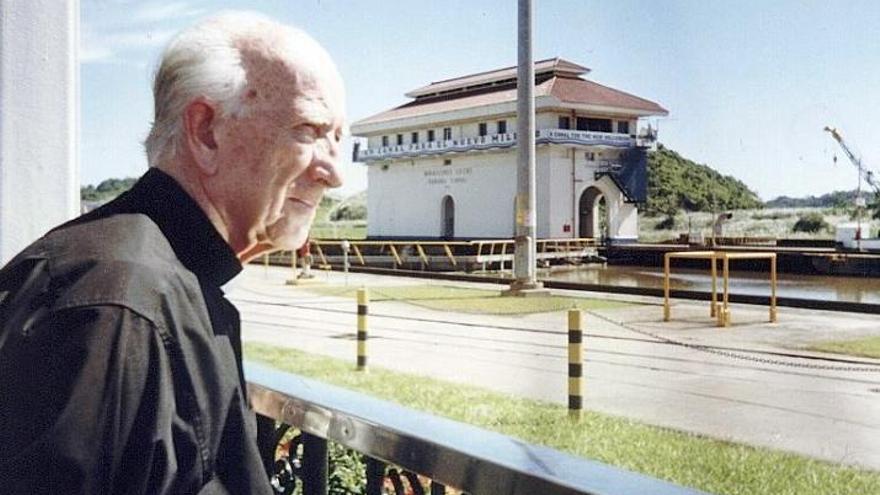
(575, 364)
(725, 319)
(666, 312)
(714, 271)
(362, 301)
(773, 289)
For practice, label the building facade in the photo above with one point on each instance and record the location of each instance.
(444, 165)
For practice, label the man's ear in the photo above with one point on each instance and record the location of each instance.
(199, 121)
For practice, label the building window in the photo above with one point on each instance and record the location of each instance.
(623, 127)
(384, 141)
(447, 161)
(400, 139)
(415, 137)
(481, 129)
(595, 125)
(564, 122)
(430, 135)
(502, 127)
(447, 133)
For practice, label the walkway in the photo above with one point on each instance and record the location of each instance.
(823, 413)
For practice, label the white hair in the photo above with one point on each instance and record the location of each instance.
(205, 61)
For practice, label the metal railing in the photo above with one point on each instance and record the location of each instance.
(404, 448)
(447, 253)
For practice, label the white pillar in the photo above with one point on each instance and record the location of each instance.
(39, 119)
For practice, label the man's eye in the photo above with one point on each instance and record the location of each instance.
(308, 132)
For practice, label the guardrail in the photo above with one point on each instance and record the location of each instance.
(451, 253)
(406, 448)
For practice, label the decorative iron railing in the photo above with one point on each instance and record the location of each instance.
(410, 452)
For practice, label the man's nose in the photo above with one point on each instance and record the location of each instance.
(325, 165)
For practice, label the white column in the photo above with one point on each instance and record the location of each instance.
(39, 119)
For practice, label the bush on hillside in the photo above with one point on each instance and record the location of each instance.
(772, 215)
(349, 212)
(811, 223)
(667, 223)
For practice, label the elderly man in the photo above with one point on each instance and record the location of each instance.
(120, 358)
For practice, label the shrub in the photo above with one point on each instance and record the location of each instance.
(811, 222)
(772, 215)
(348, 472)
(349, 212)
(667, 223)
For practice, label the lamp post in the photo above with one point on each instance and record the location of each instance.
(525, 280)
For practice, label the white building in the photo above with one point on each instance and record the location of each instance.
(444, 164)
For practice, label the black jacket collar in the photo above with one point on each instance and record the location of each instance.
(193, 237)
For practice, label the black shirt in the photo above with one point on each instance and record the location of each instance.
(120, 357)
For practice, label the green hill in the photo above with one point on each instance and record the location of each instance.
(674, 183)
(836, 199)
(106, 190)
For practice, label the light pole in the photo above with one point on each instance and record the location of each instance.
(525, 281)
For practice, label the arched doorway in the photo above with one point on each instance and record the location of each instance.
(592, 214)
(448, 221)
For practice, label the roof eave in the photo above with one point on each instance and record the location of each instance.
(543, 102)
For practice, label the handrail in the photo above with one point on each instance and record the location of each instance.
(439, 254)
(454, 454)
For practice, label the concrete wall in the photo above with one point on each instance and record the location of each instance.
(406, 196)
(39, 118)
(560, 193)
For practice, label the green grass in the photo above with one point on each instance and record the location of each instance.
(867, 347)
(343, 229)
(463, 300)
(710, 465)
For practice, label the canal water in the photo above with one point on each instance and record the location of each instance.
(850, 289)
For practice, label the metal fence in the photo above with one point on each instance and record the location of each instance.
(412, 452)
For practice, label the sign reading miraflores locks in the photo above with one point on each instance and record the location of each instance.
(447, 176)
(444, 164)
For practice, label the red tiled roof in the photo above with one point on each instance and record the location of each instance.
(590, 93)
(567, 90)
(556, 65)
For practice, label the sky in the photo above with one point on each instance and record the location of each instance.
(749, 85)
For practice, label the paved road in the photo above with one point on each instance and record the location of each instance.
(827, 414)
